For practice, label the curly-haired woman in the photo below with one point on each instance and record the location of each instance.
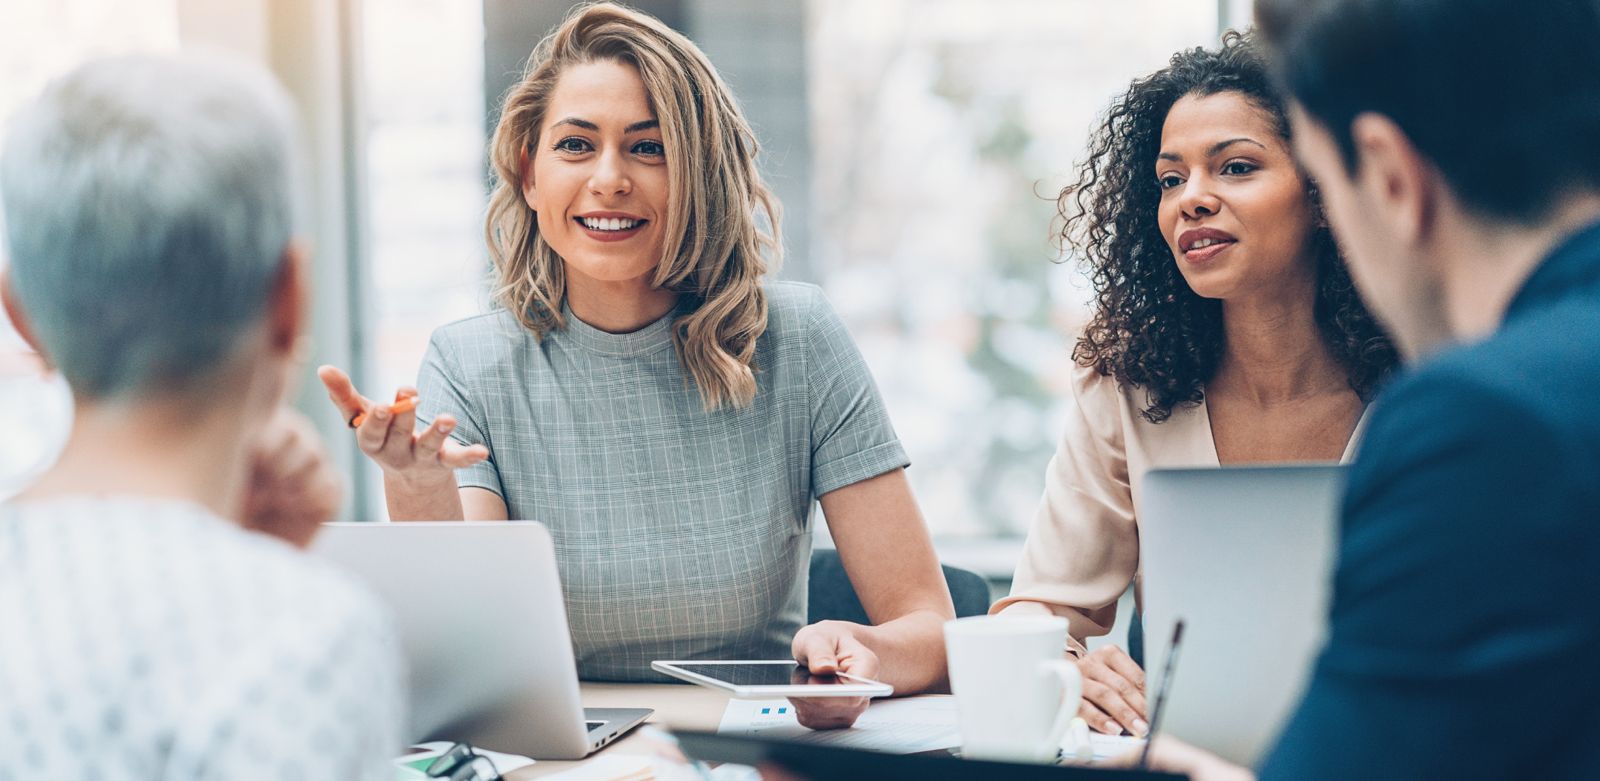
(643, 391)
(1225, 331)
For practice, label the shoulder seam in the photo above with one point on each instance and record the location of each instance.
(470, 318)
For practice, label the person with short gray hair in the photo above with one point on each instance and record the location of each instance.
(161, 621)
(149, 207)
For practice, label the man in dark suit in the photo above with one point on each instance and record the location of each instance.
(1456, 144)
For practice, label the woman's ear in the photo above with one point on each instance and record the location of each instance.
(19, 318)
(525, 170)
(288, 309)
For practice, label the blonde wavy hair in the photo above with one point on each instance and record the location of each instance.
(716, 251)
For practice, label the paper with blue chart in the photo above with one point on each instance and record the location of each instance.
(901, 726)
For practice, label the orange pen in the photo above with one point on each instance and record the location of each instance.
(406, 404)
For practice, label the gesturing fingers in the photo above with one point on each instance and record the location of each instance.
(457, 457)
(399, 444)
(373, 435)
(430, 443)
(435, 446)
(404, 409)
(342, 392)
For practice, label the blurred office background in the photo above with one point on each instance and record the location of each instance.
(917, 146)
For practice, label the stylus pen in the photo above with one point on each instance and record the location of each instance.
(1161, 695)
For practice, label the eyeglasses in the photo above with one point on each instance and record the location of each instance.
(461, 762)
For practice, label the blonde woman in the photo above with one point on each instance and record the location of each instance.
(643, 391)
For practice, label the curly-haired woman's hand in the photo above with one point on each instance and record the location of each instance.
(1113, 692)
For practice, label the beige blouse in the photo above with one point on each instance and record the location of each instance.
(1083, 548)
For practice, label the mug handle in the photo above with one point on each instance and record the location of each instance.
(1071, 695)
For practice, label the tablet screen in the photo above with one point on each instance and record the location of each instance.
(790, 674)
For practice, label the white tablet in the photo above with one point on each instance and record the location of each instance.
(752, 679)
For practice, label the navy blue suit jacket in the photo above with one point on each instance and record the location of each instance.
(1464, 635)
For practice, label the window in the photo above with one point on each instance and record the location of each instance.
(40, 40)
(941, 132)
(423, 70)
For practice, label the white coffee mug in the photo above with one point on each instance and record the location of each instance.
(1015, 692)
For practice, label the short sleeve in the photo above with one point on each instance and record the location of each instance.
(1463, 596)
(443, 388)
(851, 437)
(1082, 549)
(323, 699)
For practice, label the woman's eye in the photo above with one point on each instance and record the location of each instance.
(1169, 181)
(1238, 168)
(572, 144)
(649, 149)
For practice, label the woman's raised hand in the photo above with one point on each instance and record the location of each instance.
(387, 434)
(293, 485)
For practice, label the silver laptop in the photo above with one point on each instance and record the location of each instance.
(485, 633)
(1244, 555)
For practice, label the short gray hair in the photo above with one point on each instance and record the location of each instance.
(149, 202)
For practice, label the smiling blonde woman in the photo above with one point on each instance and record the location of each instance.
(643, 391)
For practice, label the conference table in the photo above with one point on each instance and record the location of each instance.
(677, 706)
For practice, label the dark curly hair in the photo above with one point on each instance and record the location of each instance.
(1149, 328)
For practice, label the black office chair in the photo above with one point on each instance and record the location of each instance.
(833, 599)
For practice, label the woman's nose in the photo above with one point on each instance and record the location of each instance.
(610, 176)
(1198, 199)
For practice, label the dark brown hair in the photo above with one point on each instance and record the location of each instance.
(1149, 329)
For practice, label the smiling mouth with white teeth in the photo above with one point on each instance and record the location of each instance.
(1203, 243)
(609, 223)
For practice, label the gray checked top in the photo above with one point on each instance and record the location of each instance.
(680, 533)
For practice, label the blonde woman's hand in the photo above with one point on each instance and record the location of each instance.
(827, 648)
(293, 486)
(390, 438)
(1113, 692)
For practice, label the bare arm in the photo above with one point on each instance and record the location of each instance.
(482, 504)
(441, 501)
(884, 545)
(885, 549)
